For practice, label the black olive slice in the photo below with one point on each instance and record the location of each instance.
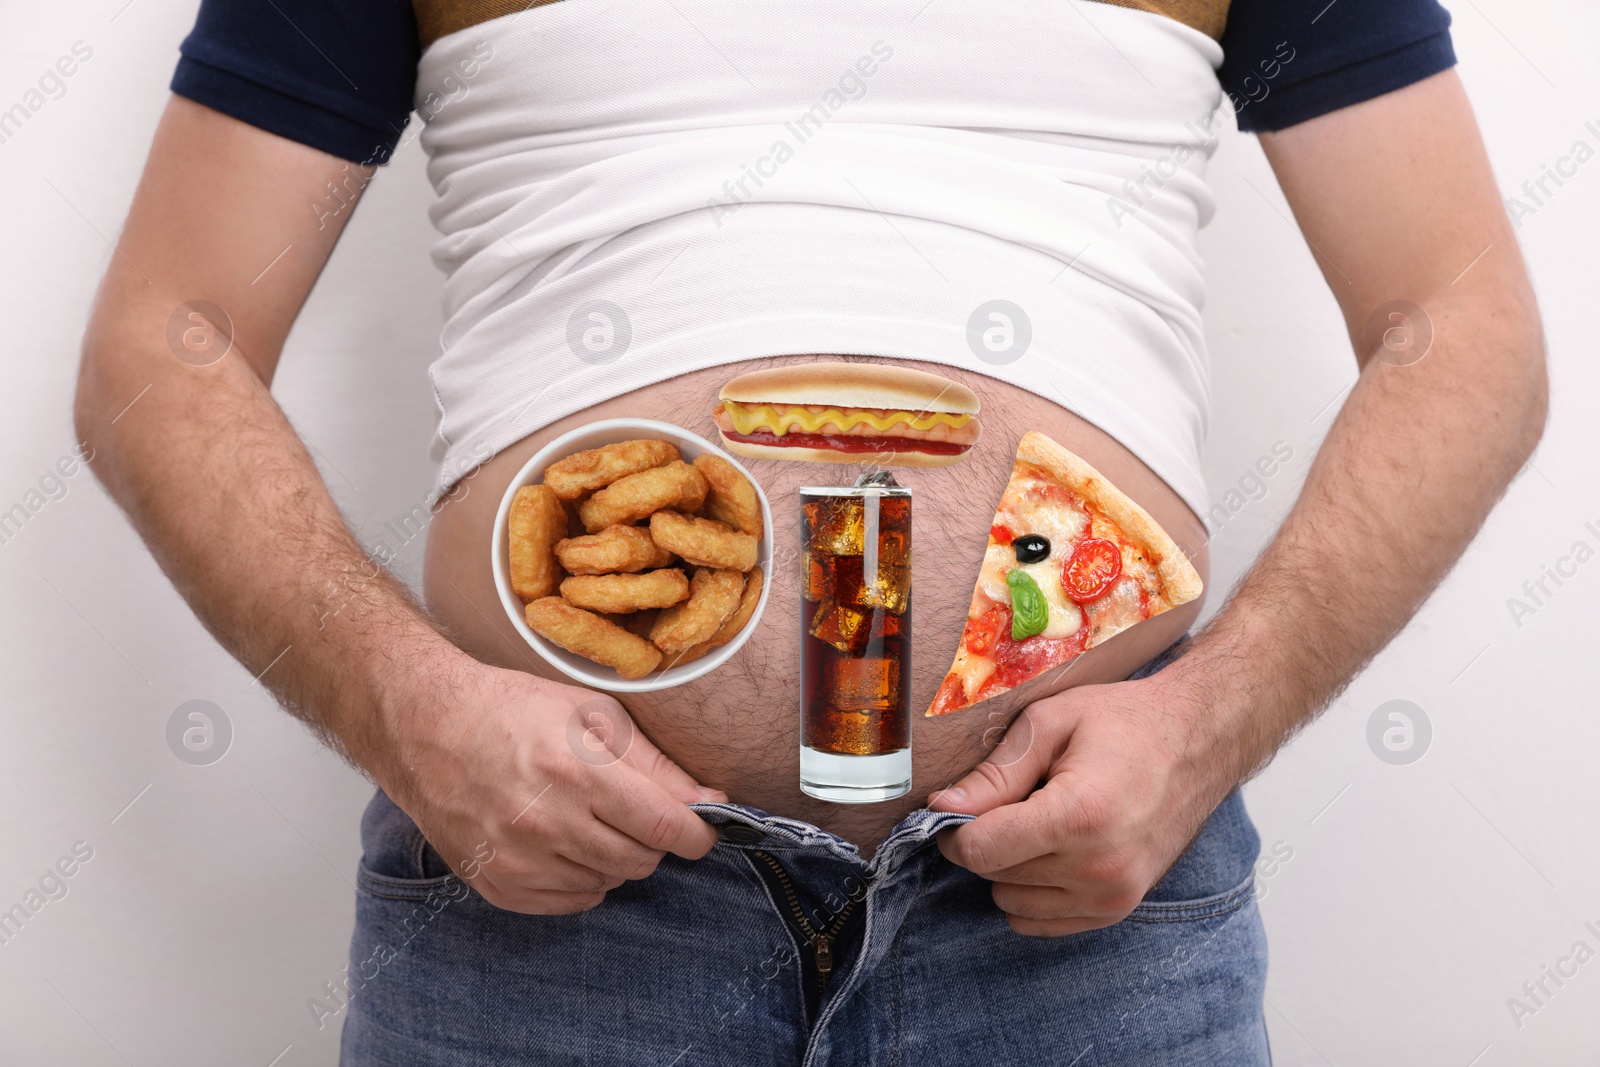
(1031, 548)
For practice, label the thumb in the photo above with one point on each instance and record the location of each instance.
(676, 782)
(601, 733)
(1011, 772)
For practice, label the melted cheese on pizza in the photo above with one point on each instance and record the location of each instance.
(1034, 504)
(1119, 608)
(1022, 513)
(991, 589)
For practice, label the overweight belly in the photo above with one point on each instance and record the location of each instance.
(737, 728)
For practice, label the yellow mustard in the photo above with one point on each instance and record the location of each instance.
(781, 420)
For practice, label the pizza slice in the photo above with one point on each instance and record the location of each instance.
(1071, 563)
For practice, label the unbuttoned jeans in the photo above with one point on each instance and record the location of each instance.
(718, 961)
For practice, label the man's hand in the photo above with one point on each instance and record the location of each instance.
(1400, 209)
(500, 769)
(1130, 772)
(542, 796)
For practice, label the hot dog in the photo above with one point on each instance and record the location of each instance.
(845, 412)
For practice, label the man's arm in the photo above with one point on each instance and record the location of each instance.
(195, 448)
(1398, 203)
(191, 444)
(1397, 200)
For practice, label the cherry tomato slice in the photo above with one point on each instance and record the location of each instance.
(1094, 567)
(1002, 534)
(980, 633)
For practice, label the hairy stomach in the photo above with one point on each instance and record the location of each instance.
(738, 728)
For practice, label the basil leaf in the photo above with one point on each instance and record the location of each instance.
(1030, 613)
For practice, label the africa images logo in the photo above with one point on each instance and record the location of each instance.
(850, 85)
(1399, 732)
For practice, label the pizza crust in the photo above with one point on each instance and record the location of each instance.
(1040, 459)
(1180, 582)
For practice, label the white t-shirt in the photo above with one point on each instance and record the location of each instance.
(635, 190)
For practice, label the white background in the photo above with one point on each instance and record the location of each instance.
(1418, 898)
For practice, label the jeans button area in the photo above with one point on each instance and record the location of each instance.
(738, 833)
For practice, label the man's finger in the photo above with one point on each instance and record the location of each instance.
(541, 901)
(612, 853)
(1039, 902)
(673, 779)
(1056, 927)
(1012, 771)
(641, 809)
(1051, 869)
(558, 874)
(607, 734)
(1006, 836)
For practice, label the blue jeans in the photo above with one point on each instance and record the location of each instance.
(783, 947)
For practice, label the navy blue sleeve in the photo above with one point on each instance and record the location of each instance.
(1286, 61)
(337, 75)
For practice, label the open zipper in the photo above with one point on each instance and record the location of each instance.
(821, 940)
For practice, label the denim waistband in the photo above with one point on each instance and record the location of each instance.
(743, 826)
(719, 961)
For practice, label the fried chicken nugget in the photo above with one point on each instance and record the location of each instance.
(731, 499)
(713, 596)
(616, 549)
(594, 468)
(623, 593)
(729, 629)
(703, 542)
(592, 637)
(631, 498)
(536, 522)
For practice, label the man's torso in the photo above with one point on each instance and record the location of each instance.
(737, 728)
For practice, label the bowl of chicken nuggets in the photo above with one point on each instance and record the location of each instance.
(633, 555)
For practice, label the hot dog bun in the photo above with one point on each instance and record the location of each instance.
(829, 455)
(920, 419)
(852, 385)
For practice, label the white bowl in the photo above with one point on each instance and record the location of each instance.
(590, 673)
